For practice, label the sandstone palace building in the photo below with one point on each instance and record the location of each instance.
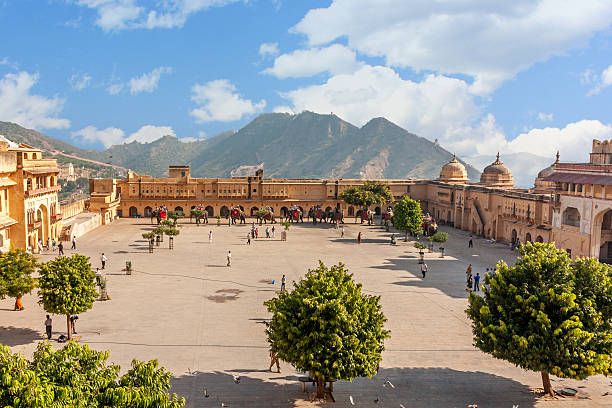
(570, 204)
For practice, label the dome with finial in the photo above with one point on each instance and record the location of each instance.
(453, 172)
(542, 184)
(497, 174)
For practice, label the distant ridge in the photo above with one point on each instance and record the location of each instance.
(306, 145)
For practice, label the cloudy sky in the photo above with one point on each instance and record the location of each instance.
(480, 76)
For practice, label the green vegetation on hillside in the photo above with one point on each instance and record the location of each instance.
(307, 145)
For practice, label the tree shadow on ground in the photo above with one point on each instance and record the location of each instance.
(410, 387)
(221, 389)
(16, 336)
(439, 276)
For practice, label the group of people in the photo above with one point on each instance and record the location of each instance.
(473, 282)
(254, 233)
(51, 244)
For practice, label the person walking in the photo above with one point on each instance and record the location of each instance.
(470, 282)
(468, 273)
(210, 237)
(342, 232)
(73, 320)
(256, 233)
(359, 238)
(267, 232)
(471, 242)
(248, 239)
(283, 282)
(53, 244)
(73, 242)
(60, 248)
(274, 360)
(273, 231)
(103, 260)
(424, 269)
(48, 244)
(229, 258)
(477, 283)
(48, 324)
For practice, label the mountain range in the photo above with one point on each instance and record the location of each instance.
(306, 145)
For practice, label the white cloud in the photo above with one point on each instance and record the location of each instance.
(283, 109)
(78, 82)
(268, 50)
(113, 136)
(429, 108)
(201, 136)
(603, 81)
(115, 15)
(18, 105)
(150, 133)
(545, 117)
(114, 89)
(148, 82)
(489, 40)
(574, 141)
(335, 59)
(108, 137)
(219, 101)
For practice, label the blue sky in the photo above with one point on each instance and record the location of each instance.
(479, 76)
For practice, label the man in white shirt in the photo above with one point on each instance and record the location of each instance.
(229, 258)
(210, 235)
(103, 260)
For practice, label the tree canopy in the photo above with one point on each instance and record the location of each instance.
(67, 286)
(16, 269)
(327, 326)
(76, 376)
(371, 192)
(408, 216)
(546, 314)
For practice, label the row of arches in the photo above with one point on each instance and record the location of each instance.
(527, 238)
(224, 211)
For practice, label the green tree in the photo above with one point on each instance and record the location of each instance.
(407, 216)
(327, 327)
(171, 232)
(76, 376)
(547, 315)
(16, 269)
(197, 214)
(67, 286)
(175, 215)
(370, 193)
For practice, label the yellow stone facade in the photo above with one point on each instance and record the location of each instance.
(29, 208)
(569, 204)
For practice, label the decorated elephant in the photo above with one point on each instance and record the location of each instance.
(236, 213)
(265, 215)
(200, 214)
(367, 215)
(295, 214)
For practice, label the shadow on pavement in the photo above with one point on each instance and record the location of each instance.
(410, 387)
(15, 336)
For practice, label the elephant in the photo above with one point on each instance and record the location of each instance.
(264, 215)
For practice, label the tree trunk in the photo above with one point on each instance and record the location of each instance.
(546, 384)
(320, 387)
(406, 237)
(69, 328)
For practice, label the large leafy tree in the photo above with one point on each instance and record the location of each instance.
(547, 315)
(408, 216)
(16, 269)
(327, 326)
(76, 376)
(370, 193)
(67, 286)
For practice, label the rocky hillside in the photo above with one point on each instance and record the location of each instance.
(307, 145)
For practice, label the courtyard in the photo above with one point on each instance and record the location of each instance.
(204, 321)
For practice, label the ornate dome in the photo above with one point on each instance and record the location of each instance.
(543, 184)
(497, 174)
(453, 172)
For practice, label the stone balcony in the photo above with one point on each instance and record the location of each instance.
(41, 190)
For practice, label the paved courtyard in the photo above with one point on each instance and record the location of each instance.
(204, 321)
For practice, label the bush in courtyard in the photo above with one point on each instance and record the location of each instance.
(16, 269)
(76, 376)
(547, 315)
(327, 327)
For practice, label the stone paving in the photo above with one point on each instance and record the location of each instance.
(204, 321)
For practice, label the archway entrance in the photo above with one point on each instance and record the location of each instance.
(43, 230)
(224, 211)
(147, 211)
(133, 212)
(528, 237)
(605, 247)
(253, 211)
(210, 211)
(540, 239)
